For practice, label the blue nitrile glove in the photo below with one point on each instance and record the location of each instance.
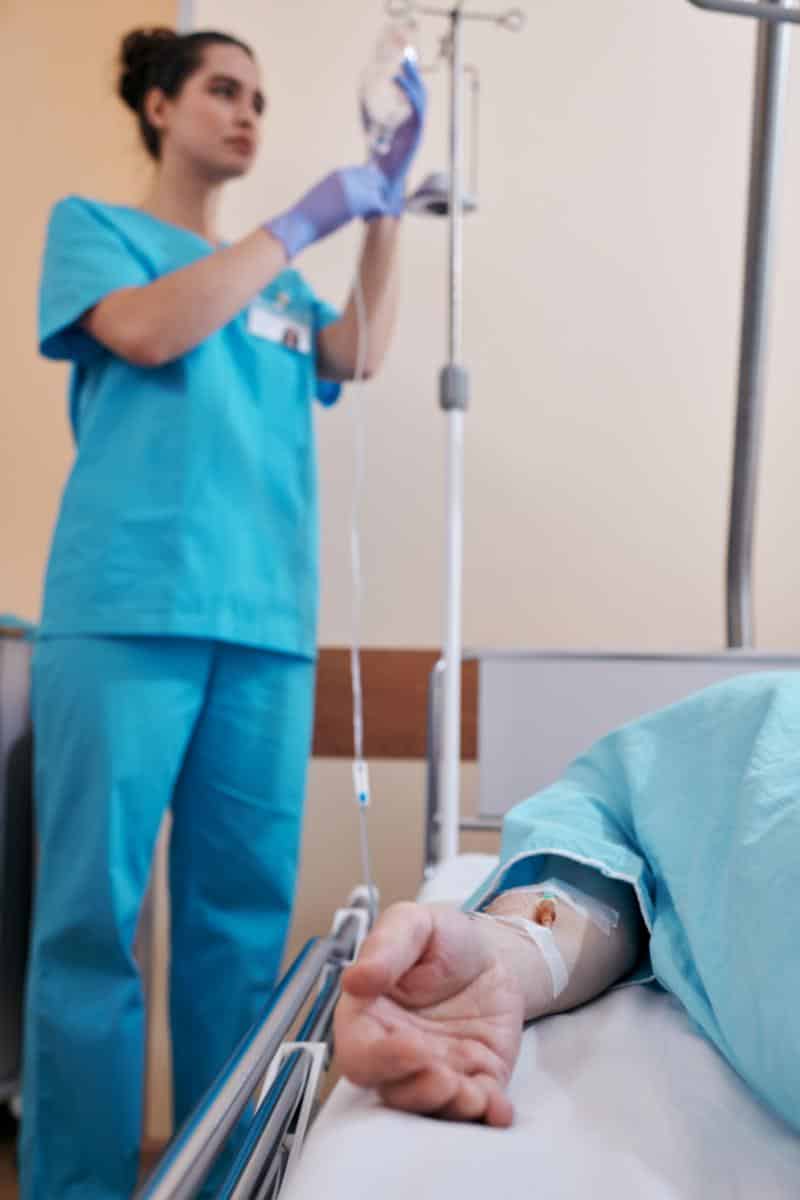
(395, 162)
(338, 198)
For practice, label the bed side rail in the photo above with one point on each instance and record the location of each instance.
(264, 1084)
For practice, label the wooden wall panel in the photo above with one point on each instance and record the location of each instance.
(395, 686)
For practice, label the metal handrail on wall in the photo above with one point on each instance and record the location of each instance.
(772, 59)
(762, 10)
(431, 854)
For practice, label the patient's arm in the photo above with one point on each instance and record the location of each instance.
(432, 1012)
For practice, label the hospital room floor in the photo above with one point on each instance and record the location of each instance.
(8, 1140)
(8, 1155)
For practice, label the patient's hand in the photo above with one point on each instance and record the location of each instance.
(431, 1013)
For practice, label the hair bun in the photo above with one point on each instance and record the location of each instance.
(139, 53)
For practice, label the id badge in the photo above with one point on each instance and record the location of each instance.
(266, 322)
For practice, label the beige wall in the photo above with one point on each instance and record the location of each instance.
(63, 131)
(601, 314)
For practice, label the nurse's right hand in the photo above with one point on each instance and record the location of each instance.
(338, 198)
(431, 1014)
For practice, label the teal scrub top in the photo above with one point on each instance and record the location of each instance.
(191, 507)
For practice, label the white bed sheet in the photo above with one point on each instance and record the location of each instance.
(620, 1099)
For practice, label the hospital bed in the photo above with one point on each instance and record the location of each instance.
(618, 1100)
(622, 1098)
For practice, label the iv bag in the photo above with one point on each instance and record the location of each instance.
(384, 105)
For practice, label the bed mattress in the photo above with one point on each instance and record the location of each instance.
(621, 1099)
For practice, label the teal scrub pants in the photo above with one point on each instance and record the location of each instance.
(126, 728)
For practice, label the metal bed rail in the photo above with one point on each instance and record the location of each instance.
(434, 819)
(276, 1133)
(269, 1084)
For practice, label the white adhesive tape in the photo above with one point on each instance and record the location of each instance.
(559, 974)
(544, 939)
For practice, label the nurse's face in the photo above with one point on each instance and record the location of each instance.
(212, 126)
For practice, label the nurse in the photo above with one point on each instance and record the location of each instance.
(175, 663)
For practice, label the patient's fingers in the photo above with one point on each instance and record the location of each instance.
(480, 1098)
(499, 1109)
(444, 1093)
(428, 1091)
(395, 944)
(470, 1057)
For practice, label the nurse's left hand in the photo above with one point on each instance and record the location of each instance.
(395, 162)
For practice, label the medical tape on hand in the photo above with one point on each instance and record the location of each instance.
(601, 915)
(559, 975)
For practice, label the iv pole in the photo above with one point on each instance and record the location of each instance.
(453, 400)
